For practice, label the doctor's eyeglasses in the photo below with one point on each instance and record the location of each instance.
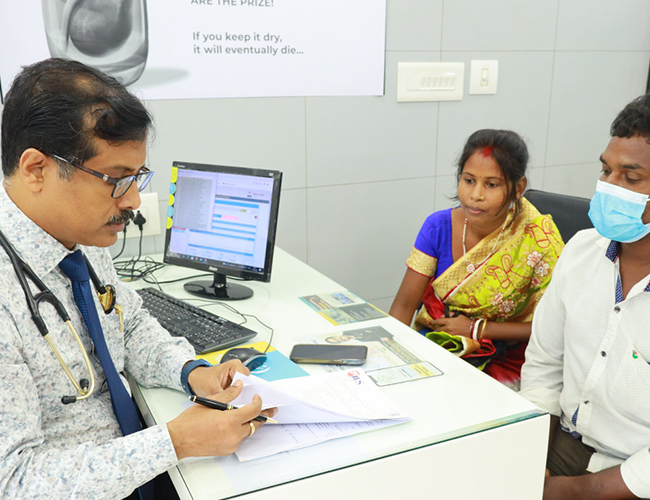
(121, 185)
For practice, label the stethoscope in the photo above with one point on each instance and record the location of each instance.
(106, 297)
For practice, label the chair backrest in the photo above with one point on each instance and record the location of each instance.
(569, 212)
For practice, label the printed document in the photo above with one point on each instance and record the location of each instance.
(315, 409)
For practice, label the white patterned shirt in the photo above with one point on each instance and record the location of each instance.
(51, 450)
(587, 359)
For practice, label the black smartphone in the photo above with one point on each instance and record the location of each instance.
(328, 354)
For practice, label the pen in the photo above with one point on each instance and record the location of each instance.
(218, 405)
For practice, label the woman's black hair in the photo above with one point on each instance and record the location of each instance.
(633, 120)
(59, 106)
(506, 148)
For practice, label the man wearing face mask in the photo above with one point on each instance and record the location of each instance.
(587, 360)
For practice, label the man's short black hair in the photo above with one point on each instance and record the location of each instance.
(634, 120)
(59, 106)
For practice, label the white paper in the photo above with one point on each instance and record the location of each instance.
(347, 396)
(272, 439)
(315, 409)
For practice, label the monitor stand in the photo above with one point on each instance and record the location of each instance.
(218, 289)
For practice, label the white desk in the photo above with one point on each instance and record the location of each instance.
(470, 437)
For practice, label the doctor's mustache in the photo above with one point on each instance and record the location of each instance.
(123, 217)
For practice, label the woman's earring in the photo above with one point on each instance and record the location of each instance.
(512, 204)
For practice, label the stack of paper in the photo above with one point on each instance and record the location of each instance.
(315, 409)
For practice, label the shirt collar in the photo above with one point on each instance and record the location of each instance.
(613, 248)
(40, 250)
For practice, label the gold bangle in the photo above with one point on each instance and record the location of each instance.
(482, 330)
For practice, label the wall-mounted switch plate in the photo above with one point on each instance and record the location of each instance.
(484, 76)
(417, 82)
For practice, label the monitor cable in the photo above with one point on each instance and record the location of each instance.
(127, 270)
(152, 280)
(123, 240)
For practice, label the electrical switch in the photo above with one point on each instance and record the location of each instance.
(485, 76)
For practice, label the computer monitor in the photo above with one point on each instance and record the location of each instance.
(222, 220)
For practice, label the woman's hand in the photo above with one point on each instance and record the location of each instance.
(460, 325)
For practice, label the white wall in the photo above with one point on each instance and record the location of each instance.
(362, 173)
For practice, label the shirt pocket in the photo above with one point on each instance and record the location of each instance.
(630, 388)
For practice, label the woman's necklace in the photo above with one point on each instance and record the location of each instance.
(471, 267)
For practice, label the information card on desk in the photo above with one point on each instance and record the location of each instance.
(315, 409)
(342, 308)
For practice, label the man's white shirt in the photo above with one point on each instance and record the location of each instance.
(587, 359)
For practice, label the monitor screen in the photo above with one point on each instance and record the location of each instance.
(222, 220)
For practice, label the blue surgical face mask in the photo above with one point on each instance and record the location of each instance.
(616, 213)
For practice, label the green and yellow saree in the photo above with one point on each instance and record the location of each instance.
(506, 286)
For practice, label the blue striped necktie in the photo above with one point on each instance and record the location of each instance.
(74, 267)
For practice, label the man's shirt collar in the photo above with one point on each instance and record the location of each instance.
(612, 252)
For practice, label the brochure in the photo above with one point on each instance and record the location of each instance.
(342, 308)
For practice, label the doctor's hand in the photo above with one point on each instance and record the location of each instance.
(453, 326)
(210, 380)
(204, 432)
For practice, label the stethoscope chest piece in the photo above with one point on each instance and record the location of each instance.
(107, 299)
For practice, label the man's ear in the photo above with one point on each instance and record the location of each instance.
(31, 169)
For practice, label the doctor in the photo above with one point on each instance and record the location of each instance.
(73, 158)
(587, 360)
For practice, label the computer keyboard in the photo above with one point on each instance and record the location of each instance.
(205, 331)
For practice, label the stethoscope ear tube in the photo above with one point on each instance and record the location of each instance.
(22, 269)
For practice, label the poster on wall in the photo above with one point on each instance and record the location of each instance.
(171, 49)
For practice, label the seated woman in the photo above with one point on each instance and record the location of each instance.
(480, 269)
